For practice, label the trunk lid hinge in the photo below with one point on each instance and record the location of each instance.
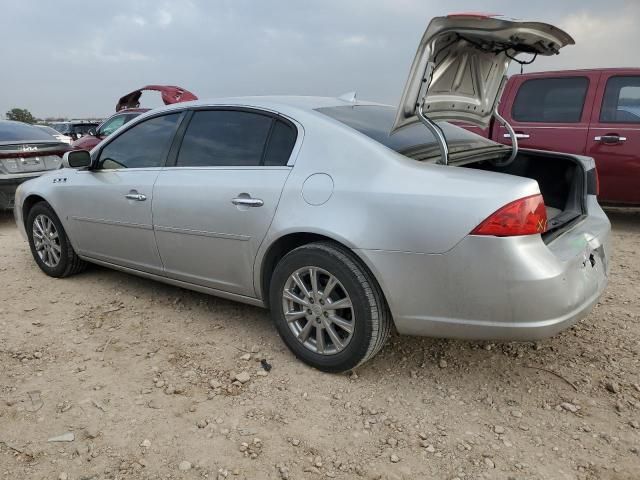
(430, 124)
(512, 134)
(507, 126)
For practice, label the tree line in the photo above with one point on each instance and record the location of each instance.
(24, 115)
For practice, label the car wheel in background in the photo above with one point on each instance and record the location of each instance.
(49, 244)
(328, 308)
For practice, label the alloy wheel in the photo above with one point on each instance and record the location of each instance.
(318, 310)
(46, 241)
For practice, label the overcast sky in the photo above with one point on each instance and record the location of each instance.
(75, 58)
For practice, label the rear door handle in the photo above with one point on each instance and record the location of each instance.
(518, 135)
(247, 202)
(609, 139)
(136, 196)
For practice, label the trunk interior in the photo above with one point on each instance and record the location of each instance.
(561, 180)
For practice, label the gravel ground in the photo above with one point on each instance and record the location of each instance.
(136, 379)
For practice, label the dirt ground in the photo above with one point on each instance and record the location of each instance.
(138, 377)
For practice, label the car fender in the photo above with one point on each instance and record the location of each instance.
(44, 187)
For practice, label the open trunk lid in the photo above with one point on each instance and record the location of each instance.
(460, 67)
(170, 95)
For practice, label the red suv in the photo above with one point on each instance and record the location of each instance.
(588, 112)
(106, 128)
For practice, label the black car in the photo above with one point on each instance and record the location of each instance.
(25, 152)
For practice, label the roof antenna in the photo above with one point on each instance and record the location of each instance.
(348, 97)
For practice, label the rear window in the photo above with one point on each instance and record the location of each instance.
(19, 132)
(47, 129)
(63, 128)
(414, 141)
(551, 100)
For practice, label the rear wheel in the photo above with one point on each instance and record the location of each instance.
(327, 307)
(49, 244)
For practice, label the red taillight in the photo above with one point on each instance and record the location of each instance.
(526, 216)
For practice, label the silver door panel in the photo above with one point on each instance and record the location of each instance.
(204, 234)
(107, 225)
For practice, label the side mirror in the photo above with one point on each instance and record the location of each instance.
(76, 159)
(92, 132)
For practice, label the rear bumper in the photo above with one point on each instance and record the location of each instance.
(493, 288)
(8, 185)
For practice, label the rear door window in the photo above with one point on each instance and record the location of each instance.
(281, 141)
(230, 138)
(551, 100)
(621, 101)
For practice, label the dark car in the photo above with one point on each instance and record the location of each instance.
(25, 152)
(128, 108)
(75, 128)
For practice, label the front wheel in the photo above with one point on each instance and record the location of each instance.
(49, 244)
(328, 308)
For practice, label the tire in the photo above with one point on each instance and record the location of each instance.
(360, 329)
(68, 262)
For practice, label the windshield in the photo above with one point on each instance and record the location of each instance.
(83, 128)
(61, 127)
(415, 141)
(114, 123)
(19, 132)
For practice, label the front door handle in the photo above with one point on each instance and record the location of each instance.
(247, 202)
(136, 196)
(518, 135)
(610, 139)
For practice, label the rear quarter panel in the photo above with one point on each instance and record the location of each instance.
(382, 200)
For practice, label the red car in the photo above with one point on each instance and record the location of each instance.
(588, 112)
(106, 128)
(127, 109)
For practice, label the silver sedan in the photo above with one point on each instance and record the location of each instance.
(345, 218)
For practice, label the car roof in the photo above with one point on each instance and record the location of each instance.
(131, 110)
(552, 73)
(76, 122)
(306, 103)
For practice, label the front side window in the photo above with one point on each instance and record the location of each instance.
(145, 145)
(621, 102)
(224, 138)
(551, 100)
